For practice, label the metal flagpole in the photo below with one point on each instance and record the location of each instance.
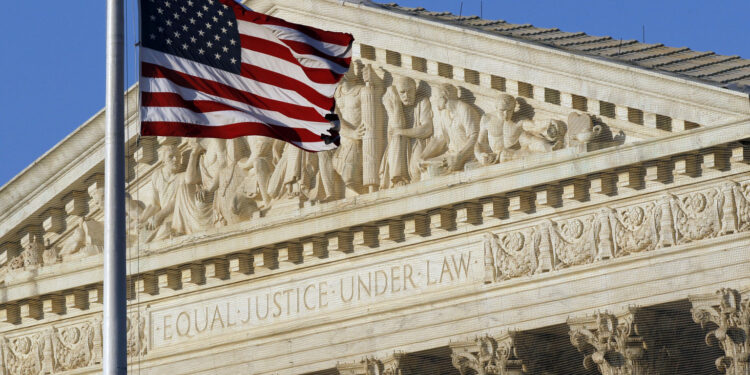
(114, 331)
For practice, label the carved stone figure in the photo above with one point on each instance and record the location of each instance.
(157, 217)
(77, 346)
(348, 158)
(696, 216)
(511, 256)
(456, 133)
(409, 127)
(231, 205)
(192, 202)
(259, 166)
(178, 205)
(22, 355)
(360, 110)
(581, 130)
(572, 241)
(294, 174)
(490, 148)
(87, 237)
(527, 137)
(136, 333)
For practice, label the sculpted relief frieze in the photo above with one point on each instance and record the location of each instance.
(395, 129)
(609, 233)
(65, 346)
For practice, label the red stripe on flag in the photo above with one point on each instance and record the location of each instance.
(333, 37)
(181, 129)
(290, 110)
(168, 99)
(285, 82)
(317, 75)
(306, 49)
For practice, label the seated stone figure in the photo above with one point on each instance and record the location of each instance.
(178, 205)
(224, 181)
(456, 133)
(490, 148)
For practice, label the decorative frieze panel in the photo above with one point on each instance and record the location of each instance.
(727, 316)
(65, 346)
(670, 220)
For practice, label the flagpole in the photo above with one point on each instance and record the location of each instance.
(113, 324)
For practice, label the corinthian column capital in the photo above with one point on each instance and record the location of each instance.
(726, 314)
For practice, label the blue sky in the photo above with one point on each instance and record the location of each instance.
(52, 60)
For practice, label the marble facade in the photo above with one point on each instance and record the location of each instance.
(495, 207)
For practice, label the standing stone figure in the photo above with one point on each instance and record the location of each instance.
(193, 203)
(259, 167)
(489, 148)
(348, 159)
(452, 145)
(409, 118)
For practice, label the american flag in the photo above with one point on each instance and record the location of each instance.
(213, 68)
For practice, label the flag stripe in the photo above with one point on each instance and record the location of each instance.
(285, 33)
(219, 119)
(278, 81)
(261, 32)
(287, 108)
(293, 94)
(163, 85)
(331, 37)
(303, 50)
(286, 37)
(168, 99)
(316, 73)
(286, 68)
(178, 129)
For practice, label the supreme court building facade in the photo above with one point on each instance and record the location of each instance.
(506, 199)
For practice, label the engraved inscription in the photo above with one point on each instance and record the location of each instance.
(296, 300)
